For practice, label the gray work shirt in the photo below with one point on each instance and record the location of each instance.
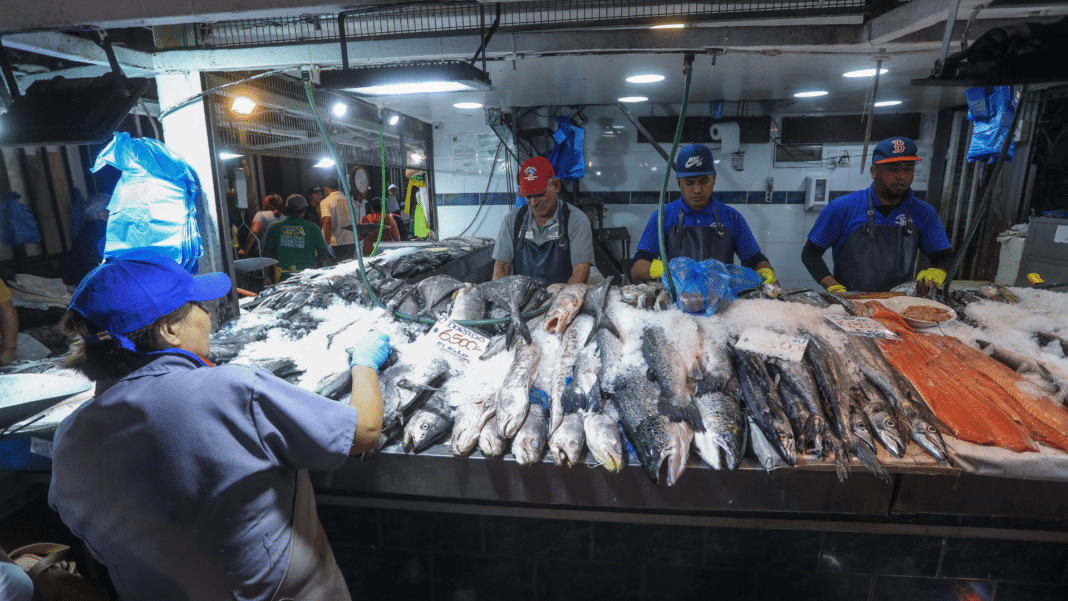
(579, 234)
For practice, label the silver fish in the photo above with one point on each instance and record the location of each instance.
(529, 443)
(562, 370)
(513, 399)
(469, 304)
(335, 386)
(402, 384)
(859, 422)
(764, 403)
(433, 290)
(667, 367)
(468, 422)
(567, 441)
(565, 307)
(584, 391)
(428, 424)
(489, 440)
(512, 292)
(604, 440)
(722, 444)
(677, 450)
(880, 415)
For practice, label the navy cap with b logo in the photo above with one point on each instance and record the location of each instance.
(694, 160)
(892, 150)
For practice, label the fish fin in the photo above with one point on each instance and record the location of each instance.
(571, 401)
(509, 336)
(688, 413)
(866, 456)
(524, 331)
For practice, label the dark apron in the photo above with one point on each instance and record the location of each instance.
(548, 262)
(311, 573)
(700, 242)
(875, 258)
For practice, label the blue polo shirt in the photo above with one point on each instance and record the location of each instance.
(846, 214)
(745, 245)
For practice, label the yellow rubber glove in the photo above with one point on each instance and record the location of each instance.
(656, 269)
(768, 274)
(932, 276)
(836, 289)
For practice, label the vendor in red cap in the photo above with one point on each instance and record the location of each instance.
(696, 225)
(190, 481)
(546, 239)
(875, 233)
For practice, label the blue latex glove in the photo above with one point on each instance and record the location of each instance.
(371, 352)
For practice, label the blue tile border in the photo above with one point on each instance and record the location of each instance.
(646, 197)
(756, 197)
(795, 198)
(500, 198)
(731, 198)
(469, 198)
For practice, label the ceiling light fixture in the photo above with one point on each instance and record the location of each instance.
(407, 79)
(243, 105)
(632, 99)
(340, 109)
(645, 78)
(468, 105)
(863, 73)
(324, 163)
(229, 155)
(668, 26)
(811, 94)
(394, 119)
(888, 103)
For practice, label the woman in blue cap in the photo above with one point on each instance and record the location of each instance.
(190, 481)
(876, 233)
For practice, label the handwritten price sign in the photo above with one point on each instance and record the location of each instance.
(452, 337)
(861, 326)
(771, 344)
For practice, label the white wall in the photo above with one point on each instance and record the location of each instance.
(617, 164)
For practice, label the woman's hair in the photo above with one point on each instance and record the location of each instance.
(374, 205)
(108, 359)
(273, 202)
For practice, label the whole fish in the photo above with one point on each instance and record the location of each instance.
(489, 440)
(604, 440)
(805, 296)
(677, 450)
(722, 444)
(513, 399)
(468, 422)
(923, 427)
(468, 305)
(815, 435)
(880, 414)
(428, 424)
(433, 290)
(567, 441)
(562, 370)
(764, 403)
(859, 421)
(512, 292)
(584, 391)
(528, 446)
(565, 307)
(335, 386)
(667, 367)
(404, 383)
(593, 303)
(718, 372)
(400, 296)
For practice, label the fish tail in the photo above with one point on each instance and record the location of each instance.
(870, 460)
(524, 331)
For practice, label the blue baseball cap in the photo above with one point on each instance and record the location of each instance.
(892, 150)
(132, 290)
(695, 159)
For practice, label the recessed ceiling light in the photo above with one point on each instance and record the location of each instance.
(645, 78)
(863, 73)
(668, 26)
(888, 103)
(468, 105)
(632, 99)
(243, 105)
(811, 94)
(324, 163)
(340, 109)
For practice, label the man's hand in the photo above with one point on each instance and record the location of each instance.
(769, 275)
(837, 289)
(932, 277)
(656, 269)
(371, 352)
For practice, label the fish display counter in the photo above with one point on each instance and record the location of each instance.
(610, 397)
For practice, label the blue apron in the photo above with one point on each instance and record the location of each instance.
(875, 258)
(700, 242)
(548, 262)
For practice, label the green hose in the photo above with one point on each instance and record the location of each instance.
(687, 68)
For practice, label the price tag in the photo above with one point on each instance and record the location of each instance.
(456, 339)
(41, 446)
(861, 326)
(773, 344)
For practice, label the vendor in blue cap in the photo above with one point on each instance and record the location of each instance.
(875, 233)
(698, 226)
(190, 481)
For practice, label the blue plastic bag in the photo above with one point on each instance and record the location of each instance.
(710, 286)
(17, 225)
(566, 155)
(990, 110)
(156, 202)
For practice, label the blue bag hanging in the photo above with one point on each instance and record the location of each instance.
(155, 203)
(990, 110)
(566, 155)
(17, 225)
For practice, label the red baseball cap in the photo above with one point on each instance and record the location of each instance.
(534, 176)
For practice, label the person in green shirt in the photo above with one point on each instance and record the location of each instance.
(296, 242)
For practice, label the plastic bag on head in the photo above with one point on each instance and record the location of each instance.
(156, 202)
(708, 287)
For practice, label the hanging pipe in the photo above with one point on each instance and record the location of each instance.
(687, 69)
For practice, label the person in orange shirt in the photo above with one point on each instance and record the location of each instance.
(374, 215)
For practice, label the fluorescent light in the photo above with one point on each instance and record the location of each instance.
(668, 26)
(632, 99)
(417, 157)
(811, 94)
(645, 78)
(888, 103)
(229, 155)
(863, 73)
(340, 109)
(324, 163)
(468, 105)
(394, 119)
(407, 79)
(243, 105)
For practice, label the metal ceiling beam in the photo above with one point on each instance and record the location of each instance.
(915, 16)
(64, 46)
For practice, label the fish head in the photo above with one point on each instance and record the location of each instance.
(928, 437)
(784, 439)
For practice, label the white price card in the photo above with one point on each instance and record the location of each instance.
(456, 339)
(41, 446)
(773, 344)
(1061, 234)
(861, 326)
